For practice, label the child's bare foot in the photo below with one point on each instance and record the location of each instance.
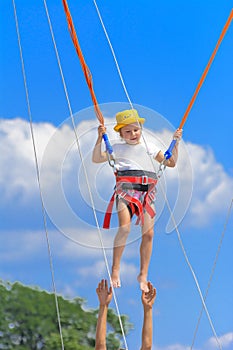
(115, 279)
(143, 283)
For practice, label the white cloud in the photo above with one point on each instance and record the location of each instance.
(226, 340)
(63, 177)
(128, 271)
(212, 188)
(96, 270)
(84, 242)
(17, 159)
(20, 245)
(68, 292)
(173, 347)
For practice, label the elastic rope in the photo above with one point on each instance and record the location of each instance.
(85, 172)
(84, 66)
(38, 176)
(213, 269)
(201, 81)
(191, 269)
(168, 153)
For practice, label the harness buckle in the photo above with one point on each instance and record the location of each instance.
(122, 194)
(144, 180)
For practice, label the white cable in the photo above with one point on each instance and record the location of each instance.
(85, 170)
(213, 269)
(192, 271)
(38, 175)
(113, 54)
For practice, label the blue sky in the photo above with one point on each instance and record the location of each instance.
(162, 48)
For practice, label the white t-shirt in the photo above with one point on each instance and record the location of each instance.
(135, 157)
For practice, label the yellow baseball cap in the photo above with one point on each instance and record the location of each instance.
(129, 116)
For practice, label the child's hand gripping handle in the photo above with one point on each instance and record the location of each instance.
(107, 144)
(109, 149)
(176, 137)
(168, 152)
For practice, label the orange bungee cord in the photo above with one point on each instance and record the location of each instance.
(88, 77)
(168, 153)
(85, 68)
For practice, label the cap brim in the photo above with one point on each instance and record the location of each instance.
(132, 121)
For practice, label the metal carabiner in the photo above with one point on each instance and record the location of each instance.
(111, 159)
(162, 167)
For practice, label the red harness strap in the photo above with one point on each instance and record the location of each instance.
(134, 203)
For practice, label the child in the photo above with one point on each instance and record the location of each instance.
(135, 187)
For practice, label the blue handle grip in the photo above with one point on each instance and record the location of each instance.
(107, 144)
(168, 152)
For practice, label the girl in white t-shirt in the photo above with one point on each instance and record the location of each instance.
(135, 187)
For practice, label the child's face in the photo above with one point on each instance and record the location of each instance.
(131, 133)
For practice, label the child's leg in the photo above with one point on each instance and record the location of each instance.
(146, 250)
(120, 241)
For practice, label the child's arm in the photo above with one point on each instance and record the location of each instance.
(98, 156)
(171, 162)
(105, 296)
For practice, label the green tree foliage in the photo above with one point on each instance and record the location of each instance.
(28, 320)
